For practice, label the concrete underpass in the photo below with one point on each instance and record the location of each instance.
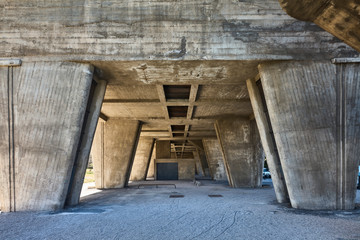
(179, 105)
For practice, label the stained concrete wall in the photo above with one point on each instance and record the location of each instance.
(113, 152)
(187, 29)
(314, 110)
(42, 110)
(142, 159)
(238, 141)
(214, 156)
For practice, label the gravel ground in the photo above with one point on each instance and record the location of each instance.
(149, 213)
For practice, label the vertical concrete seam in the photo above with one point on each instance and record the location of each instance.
(11, 133)
(340, 136)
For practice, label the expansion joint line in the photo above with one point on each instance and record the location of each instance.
(341, 137)
(11, 137)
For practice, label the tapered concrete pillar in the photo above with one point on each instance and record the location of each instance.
(42, 111)
(150, 172)
(113, 152)
(239, 144)
(268, 142)
(202, 157)
(315, 114)
(82, 158)
(214, 156)
(198, 166)
(142, 159)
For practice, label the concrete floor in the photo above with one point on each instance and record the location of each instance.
(149, 213)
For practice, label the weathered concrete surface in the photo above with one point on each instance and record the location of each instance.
(82, 158)
(314, 110)
(163, 149)
(114, 149)
(142, 159)
(340, 18)
(42, 110)
(132, 30)
(268, 142)
(214, 156)
(237, 137)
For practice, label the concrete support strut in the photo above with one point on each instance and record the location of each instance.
(142, 159)
(114, 151)
(315, 114)
(42, 110)
(86, 140)
(214, 156)
(267, 141)
(239, 142)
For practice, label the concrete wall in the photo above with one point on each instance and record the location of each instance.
(214, 156)
(42, 110)
(163, 149)
(238, 141)
(314, 110)
(132, 30)
(114, 151)
(142, 159)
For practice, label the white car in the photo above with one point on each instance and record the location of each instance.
(266, 173)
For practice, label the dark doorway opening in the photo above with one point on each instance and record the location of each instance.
(167, 171)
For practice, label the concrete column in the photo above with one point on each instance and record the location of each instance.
(265, 129)
(214, 156)
(237, 141)
(82, 158)
(314, 110)
(202, 157)
(198, 166)
(113, 152)
(42, 110)
(142, 159)
(150, 173)
(163, 149)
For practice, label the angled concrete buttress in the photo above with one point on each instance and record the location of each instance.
(214, 156)
(198, 168)
(42, 111)
(113, 152)
(315, 114)
(201, 158)
(142, 159)
(239, 142)
(82, 158)
(268, 142)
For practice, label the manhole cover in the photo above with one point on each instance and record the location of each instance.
(176, 196)
(215, 195)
